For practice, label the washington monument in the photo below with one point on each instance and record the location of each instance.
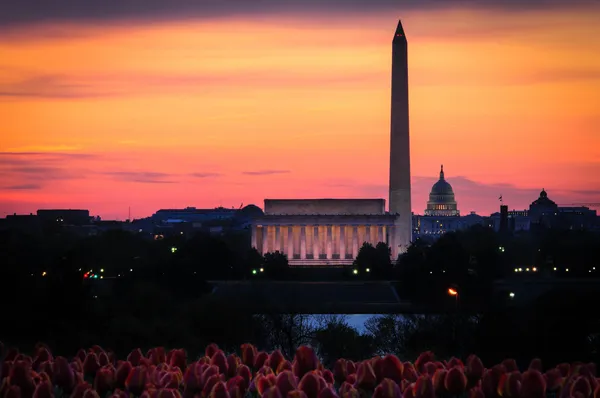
(399, 200)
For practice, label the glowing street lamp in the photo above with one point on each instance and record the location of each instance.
(253, 272)
(452, 292)
(511, 295)
(355, 272)
(262, 270)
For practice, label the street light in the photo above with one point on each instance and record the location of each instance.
(511, 295)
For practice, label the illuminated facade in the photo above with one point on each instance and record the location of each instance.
(322, 232)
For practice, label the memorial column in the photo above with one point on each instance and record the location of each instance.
(316, 243)
(354, 241)
(368, 233)
(380, 234)
(303, 242)
(290, 242)
(342, 243)
(253, 242)
(265, 239)
(277, 239)
(329, 244)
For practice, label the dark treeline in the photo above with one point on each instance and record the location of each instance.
(159, 295)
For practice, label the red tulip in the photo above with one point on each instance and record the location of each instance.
(80, 389)
(429, 368)
(90, 393)
(328, 376)
(409, 373)
(119, 394)
(63, 375)
(21, 376)
(91, 364)
(245, 372)
(455, 381)
(533, 384)
(285, 365)
(260, 359)
(103, 359)
(209, 384)
(44, 390)
(305, 361)
(211, 350)
(597, 392)
(476, 392)
(122, 373)
(13, 392)
(350, 367)
(410, 391)
(345, 387)
(553, 379)
(388, 388)
(536, 364)
(340, 371)
(219, 360)
(311, 384)
(286, 382)
(425, 357)
(158, 355)
(179, 359)
(423, 388)
(232, 365)
(474, 370)
(351, 379)
(327, 392)
(509, 385)
(510, 365)
(275, 359)
(236, 392)
(365, 376)
(248, 353)
(263, 382)
(390, 367)
(239, 382)
(351, 393)
(454, 362)
(136, 380)
(438, 380)
(167, 393)
(564, 369)
(296, 394)
(271, 392)
(219, 390)
(581, 385)
(104, 380)
(135, 357)
(170, 380)
(491, 379)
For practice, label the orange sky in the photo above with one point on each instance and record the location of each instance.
(229, 111)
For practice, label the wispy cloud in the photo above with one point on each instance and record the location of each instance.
(145, 177)
(265, 172)
(42, 149)
(21, 187)
(205, 175)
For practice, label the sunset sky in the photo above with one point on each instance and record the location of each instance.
(158, 104)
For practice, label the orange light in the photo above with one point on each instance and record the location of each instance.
(452, 292)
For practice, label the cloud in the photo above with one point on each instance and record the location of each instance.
(37, 168)
(34, 11)
(265, 172)
(205, 175)
(145, 177)
(122, 84)
(21, 187)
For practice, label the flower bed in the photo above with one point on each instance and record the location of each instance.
(95, 373)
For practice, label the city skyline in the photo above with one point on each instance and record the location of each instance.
(232, 109)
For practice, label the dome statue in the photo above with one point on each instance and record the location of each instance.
(441, 199)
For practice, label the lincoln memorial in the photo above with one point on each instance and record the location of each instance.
(322, 231)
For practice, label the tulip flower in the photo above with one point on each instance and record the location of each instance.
(286, 382)
(305, 361)
(455, 381)
(388, 388)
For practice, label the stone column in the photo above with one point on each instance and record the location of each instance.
(290, 242)
(368, 233)
(342, 239)
(329, 244)
(277, 238)
(253, 242)
(316, 243)
(380, 234)
(393, 246)
(303, 242)
(265, 240)
(354, 241)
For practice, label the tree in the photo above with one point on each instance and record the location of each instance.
(276, 265)
(335, 339)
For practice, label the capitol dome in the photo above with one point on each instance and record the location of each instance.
(441, 199)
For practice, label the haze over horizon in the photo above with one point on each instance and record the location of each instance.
(157, 105)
